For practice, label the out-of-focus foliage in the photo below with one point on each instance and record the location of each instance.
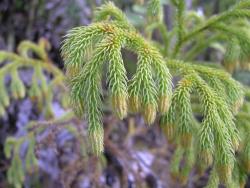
(40, 91)
(25, 19)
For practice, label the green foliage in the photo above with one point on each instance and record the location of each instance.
(16, 172)
(108, 38)
(201, 90)
(216, 138)
(13, 146)
(40, 90)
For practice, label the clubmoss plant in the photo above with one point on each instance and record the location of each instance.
(151, 84)
(213, 140)
(219, 139)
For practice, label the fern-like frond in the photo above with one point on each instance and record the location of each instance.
(149, 91)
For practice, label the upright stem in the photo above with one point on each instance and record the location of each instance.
(180, 5)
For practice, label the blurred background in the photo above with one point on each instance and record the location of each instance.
(135, 155)
(33, 19)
